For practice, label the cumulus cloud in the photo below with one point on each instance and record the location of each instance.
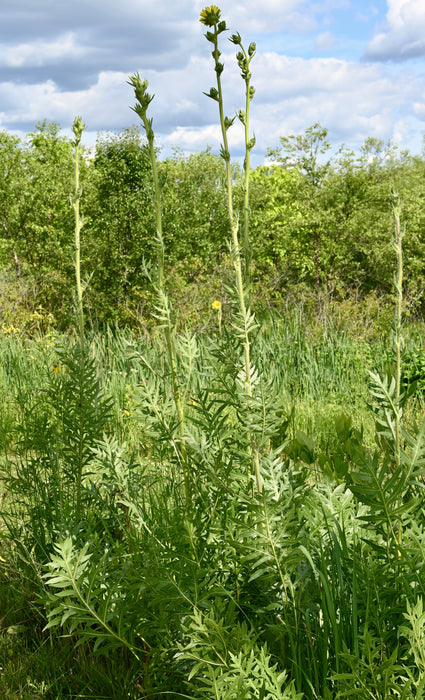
(403, 36)
(353, 101)
(59, 59)
(71, 42)
(40, 52)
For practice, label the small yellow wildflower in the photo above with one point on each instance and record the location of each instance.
(56, 368)
(216, 305)
(36, 316)
(7, 330)
(210, 15)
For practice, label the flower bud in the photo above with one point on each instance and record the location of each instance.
(251, 143)
(235, 38)
(228, 122)
(224, 153)
(213, 93)
(242, 116)
(78, 128)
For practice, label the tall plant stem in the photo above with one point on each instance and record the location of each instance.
(225, 123)
(398, 339)
(247, 167)
(78, 128)
(397, 323)
(244, 59)
(143, 100)
(157, 203)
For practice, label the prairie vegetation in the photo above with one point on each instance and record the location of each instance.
(212, 462)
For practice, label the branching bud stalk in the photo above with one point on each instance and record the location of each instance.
(78, 128)
(143, 100)
(210, 16)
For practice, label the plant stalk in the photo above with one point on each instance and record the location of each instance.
(78, 128)
(143, 100)
(397, 323)
(225, 123)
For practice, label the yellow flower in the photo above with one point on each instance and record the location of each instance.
(210, 15)
(56, 368)
(216, 305)
(7, 330)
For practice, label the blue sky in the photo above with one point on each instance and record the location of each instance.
(355, 66)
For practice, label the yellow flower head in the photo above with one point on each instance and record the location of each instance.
(210, 15)
(216, 305)
(9, 329)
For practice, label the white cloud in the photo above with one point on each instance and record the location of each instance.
(419, 110)
(325, 41)
(192, 139)
(269, 16)
(404, 34)
(39, 52)
(31, 103)
(352, 100)
(83, 69)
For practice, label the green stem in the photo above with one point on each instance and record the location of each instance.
(398, 340)
(179, 408)
(244, 60)
(78, 128)
(157, 202)
(143, 100)
(247, 167)
(236, 251)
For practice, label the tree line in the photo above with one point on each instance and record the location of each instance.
(320, 226)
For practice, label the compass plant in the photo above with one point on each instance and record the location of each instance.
(143, 100)
(210, 17)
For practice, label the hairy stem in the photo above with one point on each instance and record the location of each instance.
(143, 101)
(225, 123)
(78, 128)
(397, 339)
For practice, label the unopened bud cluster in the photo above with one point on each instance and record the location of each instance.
(78, 128)
(143, 101)
(210, 16)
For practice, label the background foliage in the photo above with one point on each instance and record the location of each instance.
(319, 225)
